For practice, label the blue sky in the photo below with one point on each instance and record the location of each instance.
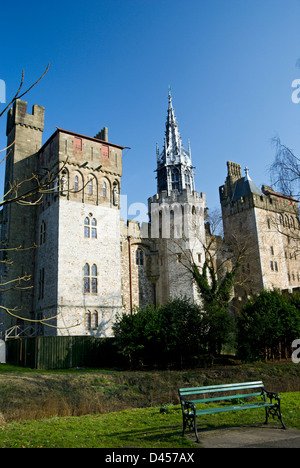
(230, 65)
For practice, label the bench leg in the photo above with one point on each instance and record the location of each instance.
(275, 411)
(190, 421)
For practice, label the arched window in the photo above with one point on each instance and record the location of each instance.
(76, 183)
(94, 279)
(91, 187)
(42, 233)
(139, 257)
(94, 228)
(90, 280)
(86, 227)
(88, 319)
(64, 182)
(90, 226)
(86, 278)
(95, 320)
(104, 189)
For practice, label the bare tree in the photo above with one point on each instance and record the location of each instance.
(285, 176)
(285, 170)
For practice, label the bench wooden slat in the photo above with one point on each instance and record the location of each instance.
(224, 386)
(233, 408)
(228, 397)
(218, 388)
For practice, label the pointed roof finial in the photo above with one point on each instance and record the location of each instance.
(247, 173)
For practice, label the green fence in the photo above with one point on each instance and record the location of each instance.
(62, 352)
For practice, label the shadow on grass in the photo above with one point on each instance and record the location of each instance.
(161, 437)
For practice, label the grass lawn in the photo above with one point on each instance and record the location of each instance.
(138, 428)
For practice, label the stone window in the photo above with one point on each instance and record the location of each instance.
(86, 278)
(94, 279)
(94, 228)
(88, 320)
(76, 183)
(139, 257)
(272, 250)
(91, 187)
(43, 233)
(175, 180)
(90, 280)
(41, 283)
(104, 189)
(86, 227)
(272, 266)
(95, 321)
(90, 227)
(64, 182)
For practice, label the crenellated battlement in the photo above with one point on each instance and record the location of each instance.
(176, 197)
(17, 115)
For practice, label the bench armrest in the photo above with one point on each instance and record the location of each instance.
(188, 407)
(271, 395)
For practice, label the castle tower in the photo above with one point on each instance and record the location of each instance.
(24, 137)
(75, 267)
(262, 222)
(177, 214)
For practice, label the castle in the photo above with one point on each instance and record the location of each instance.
(85, 265)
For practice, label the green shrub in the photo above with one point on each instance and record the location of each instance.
(267, 326)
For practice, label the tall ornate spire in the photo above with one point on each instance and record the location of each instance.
(174, 164)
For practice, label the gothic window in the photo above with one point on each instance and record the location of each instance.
(86, 278)
(104, 189)
(95, 321)
(286, 221)
(94, 228)
(76, 183)
(139, 257)
(94, 279)
(90, 227)
(86, 227)
(91, 187)
(175, 180)
(88, 320)
(187, 182)
(41, 283)
(64, 182)
(90, 280)
(42, 233)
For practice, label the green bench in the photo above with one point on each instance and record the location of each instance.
(239, 393)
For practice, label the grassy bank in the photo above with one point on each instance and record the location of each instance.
(32, 394)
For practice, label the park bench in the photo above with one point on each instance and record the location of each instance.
(239, 394)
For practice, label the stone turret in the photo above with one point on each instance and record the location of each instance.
(174, 163)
